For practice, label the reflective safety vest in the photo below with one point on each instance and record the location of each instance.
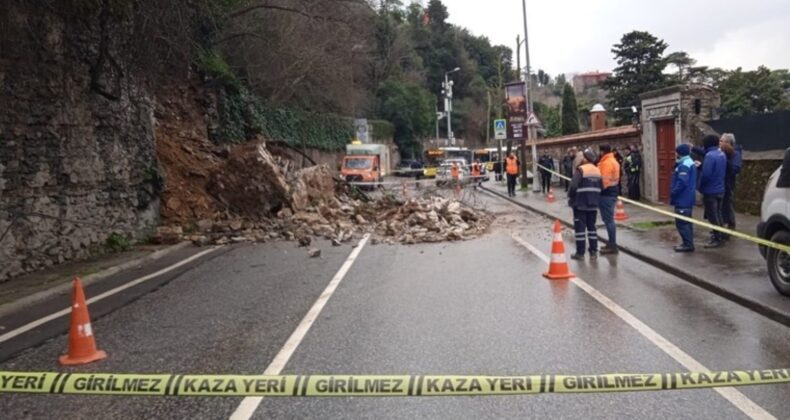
(610, 174)
(475, 169)
(587, 194)
(455, 171)
(511, 166)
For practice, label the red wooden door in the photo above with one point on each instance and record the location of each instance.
(665, 147)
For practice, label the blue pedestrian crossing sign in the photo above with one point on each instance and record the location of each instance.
(500, 129)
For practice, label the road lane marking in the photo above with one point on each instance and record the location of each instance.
(41, 321)
(735, 397)
(247, 407)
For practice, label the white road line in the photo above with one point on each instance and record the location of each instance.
(247, 408)
(27, 327)
(742, 402)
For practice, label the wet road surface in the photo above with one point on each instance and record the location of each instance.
(476, 307)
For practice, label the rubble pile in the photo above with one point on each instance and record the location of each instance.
(262, 197)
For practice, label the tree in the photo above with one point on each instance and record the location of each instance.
(570, 112)
(409, 107)
(640, 68)
(559, 84)
(751, 92)
(550, 117)
(682, 61)
(543, 78)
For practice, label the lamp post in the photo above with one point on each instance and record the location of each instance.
(447, 91)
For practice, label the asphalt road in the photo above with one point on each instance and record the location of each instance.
(475, 307)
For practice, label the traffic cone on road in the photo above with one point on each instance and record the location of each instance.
(558, 267)
(619, 213)
(82, 345)
(551, 198)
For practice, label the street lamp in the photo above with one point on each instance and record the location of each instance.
(447, 91)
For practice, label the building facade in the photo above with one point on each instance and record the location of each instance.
(671, 116)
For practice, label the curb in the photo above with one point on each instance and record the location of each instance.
(756, 306)
(11, 307)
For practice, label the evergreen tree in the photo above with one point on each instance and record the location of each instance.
(640, 68)
(570, 112)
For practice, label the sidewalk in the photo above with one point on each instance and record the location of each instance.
(736, 271)
(31, 288)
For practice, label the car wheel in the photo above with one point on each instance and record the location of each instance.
(779, 263)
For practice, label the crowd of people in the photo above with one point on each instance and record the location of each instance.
(711, 170)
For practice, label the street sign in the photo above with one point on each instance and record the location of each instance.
(500, 129)
(533, 120)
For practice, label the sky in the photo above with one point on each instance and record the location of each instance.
(572, 36)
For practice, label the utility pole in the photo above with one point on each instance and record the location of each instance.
(531, 133)
(447, 91)
(518, 56)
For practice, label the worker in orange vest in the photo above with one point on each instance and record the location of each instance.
(610, 176)
(455, 173)
(511, 168)
(476, 168)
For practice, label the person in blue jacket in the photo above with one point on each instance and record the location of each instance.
(684, 184)
(712, 186)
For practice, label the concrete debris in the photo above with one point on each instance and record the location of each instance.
(314, 253)
(265, 198)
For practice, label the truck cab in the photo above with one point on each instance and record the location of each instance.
(775, 225)
(361, 168)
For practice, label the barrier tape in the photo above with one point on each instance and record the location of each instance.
(371, 385)
(735, 233)
(422, 181)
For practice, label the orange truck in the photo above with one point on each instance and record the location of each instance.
(365, 163)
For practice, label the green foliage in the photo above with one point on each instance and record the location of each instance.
(749, 92)
(570, 111)
(117, 243)
(682, 60)
(382, 130)
(243, 116)
(550, 117)
(214, 65)
(640, 69)
(409, 107)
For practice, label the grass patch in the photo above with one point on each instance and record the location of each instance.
(117, 243)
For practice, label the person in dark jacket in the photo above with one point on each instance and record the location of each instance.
(682, 196)
(734, 153)
(584, 196)
(633, 168)
(567, 166)
(712, 186)
(545, 161)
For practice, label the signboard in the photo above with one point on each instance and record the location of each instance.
(362, 130)
(516, 98)
(500, 129)
(533, 120)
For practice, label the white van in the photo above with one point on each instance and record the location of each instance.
(775, 225)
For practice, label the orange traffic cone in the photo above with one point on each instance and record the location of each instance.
(619, 213)
(82, 345)
(551, 198)
(558, 267)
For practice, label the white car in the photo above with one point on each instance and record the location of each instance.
(775, 225)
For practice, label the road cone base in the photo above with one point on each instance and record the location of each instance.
(621, 218)
(566, 276)
(67, 360)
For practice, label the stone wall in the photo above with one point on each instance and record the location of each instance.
(77, 158)
(751, 183)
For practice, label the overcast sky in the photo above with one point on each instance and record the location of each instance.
(575, 36)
